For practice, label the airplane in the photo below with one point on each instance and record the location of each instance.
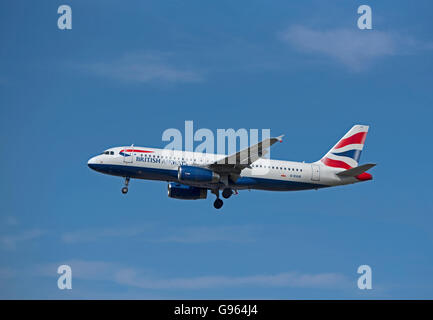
(191, 174)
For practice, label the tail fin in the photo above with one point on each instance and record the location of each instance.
(346, 153)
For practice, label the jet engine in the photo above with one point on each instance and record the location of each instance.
(195, 174)
(181, 191)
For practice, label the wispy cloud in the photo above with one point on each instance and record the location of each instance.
(11, 241)
(145, 68)
(210, 234)
(145, 279)
(133, 278)
(354, 48)
(97, 234)
(81, 269)
(7, 273)
(11, 221)
(170, 235)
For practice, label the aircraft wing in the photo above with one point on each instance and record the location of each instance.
(235, 163)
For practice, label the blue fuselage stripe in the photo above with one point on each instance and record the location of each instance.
(171, 175)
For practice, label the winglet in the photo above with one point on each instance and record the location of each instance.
(280, 138)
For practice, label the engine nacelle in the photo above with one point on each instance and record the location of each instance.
(181, 191)
(195, 174)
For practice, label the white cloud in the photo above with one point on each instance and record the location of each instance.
(209, 234)
(81, 269)
(93, 235)
(11, 221)
(144, 279)
(10, 242)
(144, 68)
(354, 48)
(169, 235)
(7, 273)
(287, 279)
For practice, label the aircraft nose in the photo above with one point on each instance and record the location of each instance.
(92, 163)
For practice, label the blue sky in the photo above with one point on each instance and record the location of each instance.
(125, 73)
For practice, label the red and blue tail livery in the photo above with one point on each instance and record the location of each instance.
(346, 153)
(190, 175)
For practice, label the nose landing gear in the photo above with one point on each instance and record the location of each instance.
(125, 188)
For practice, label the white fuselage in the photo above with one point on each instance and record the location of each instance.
(263, 174)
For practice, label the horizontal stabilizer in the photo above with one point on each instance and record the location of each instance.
(356, 171)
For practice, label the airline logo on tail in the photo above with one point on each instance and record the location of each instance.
(346, 153)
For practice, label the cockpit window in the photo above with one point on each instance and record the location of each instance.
(111, 153)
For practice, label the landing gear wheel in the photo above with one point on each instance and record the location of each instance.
(227, 193)
(125, 188)
(218, 204)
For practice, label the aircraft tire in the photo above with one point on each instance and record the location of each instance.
(218, 204)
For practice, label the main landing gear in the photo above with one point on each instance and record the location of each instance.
(227, 193)
(125, 188)
(218, 203)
